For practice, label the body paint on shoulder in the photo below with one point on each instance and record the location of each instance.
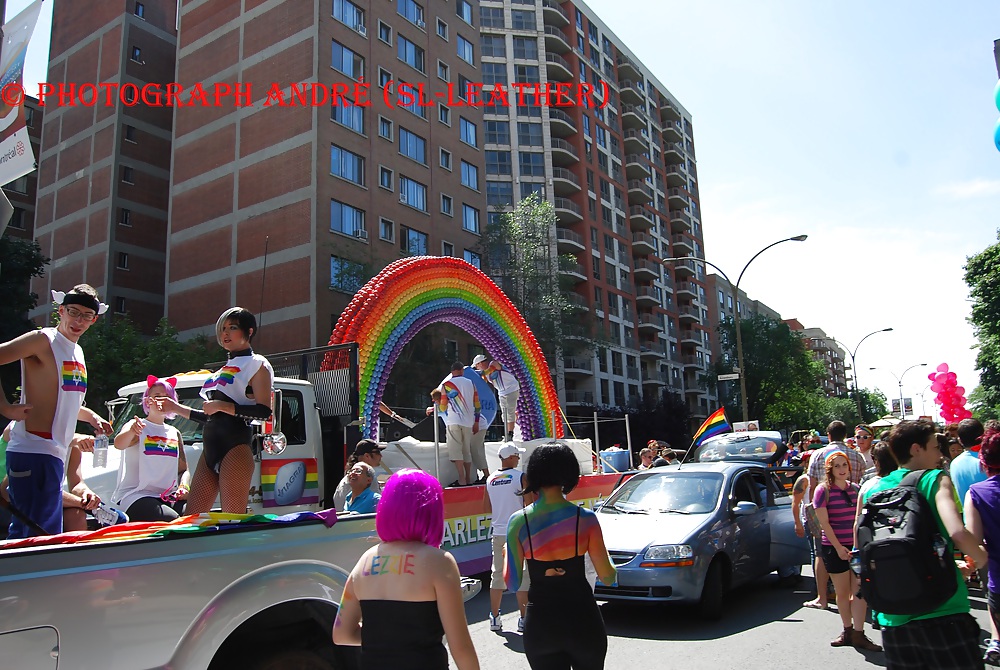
(398, 564)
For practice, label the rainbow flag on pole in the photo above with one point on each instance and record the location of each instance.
(716, 423)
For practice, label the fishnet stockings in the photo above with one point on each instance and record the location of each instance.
(235, 475)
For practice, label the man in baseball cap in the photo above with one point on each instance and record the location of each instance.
(368, 452)
(502, 499)
(478, 359)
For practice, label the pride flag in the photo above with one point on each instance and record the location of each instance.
(716, 423)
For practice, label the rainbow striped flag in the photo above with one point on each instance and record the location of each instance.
(716, 423)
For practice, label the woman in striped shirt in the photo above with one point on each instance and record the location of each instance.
(836, 501)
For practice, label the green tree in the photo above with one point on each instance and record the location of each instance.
(20, 260)
(982, 274)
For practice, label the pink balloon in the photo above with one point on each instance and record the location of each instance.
(959, 390)
(937, 400)
(943, 367)
(937, 387)
(952, 377)
(932, 376)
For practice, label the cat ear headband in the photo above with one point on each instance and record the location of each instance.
(153, 380)
(81, 299)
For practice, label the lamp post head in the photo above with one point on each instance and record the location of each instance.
(885, 330)
(799, 238)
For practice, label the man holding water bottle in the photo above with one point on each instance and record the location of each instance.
(53, 386)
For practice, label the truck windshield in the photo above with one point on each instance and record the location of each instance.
(190, 431)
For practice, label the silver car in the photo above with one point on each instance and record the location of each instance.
(690, 533)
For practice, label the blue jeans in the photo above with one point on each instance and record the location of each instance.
(35, 488)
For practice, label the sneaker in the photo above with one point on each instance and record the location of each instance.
(992, 655)
(844, 639)
(109, 516)
(520, 629)
(495, 623)
(861, 641)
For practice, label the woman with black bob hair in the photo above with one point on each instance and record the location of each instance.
(563, 627)
(234, 396)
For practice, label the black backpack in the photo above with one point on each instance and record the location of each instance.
(906, 565)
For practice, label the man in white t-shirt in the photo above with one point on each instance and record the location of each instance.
(501, 499)
(458, 405)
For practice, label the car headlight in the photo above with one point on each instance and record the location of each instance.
(668, 552)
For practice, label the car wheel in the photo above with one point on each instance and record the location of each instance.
(713, 593)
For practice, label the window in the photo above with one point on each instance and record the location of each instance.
(463, 88)
(526, 47)
(447, 249)
(444, 115)
(140, 10)
(495, 107)
(410, 54)
(494, 73)
(467, 131)
(493, 45)
(499, 193)
(122, 260)
(447, 205)
(531, 187)
(17, 219)
(529, 134)
(384, 77)
(410, 101)
(472, 258)
(497, 132)
(412, 146)
(129, 133)
(385, 177)
(386, 229)
(128, 175)
(119, 305)
(412, 193)
(442, 29)
(349, 115)
(20, 185)
(521, 19)
(346, 219)
(465, 50)
(345, 275)
(29, 117)
(136, 55)
(385, 32)
(470, 176)
(412, 241)
(384, 128)
(411, 11)
(443, 73)
(347, 165)
(346, 61)
(498, 162)
(125, 217)
(490, 17)
(351, 15)
(531, 164)
(526, 73)
(445, 157)
(464, 10)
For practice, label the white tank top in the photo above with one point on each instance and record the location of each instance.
(72, 371)
(150, 467)
(503, 486)
(234, 377)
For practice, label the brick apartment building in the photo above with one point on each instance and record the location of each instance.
(22, 191)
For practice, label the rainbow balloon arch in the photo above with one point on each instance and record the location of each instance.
(412, 293)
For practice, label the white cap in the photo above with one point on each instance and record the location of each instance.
(508, 449)
(479, 359)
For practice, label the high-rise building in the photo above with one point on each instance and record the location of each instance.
(827, 351)
(104, 167)
(22, 191)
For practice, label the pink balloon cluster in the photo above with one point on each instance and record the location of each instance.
(950, 396)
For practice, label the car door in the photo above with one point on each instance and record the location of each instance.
(752, 534)
(787, 548)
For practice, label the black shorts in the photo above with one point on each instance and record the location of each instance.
(948, 642)
(834, 563)
(993, 601)
(221, 434)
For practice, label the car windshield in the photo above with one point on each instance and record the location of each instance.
(735, 446)
(189, 430)
(676, 492)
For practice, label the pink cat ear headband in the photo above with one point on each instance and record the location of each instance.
(81, 299)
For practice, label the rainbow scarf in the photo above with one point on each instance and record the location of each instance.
(716, 423)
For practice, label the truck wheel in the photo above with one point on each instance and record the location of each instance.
(713, 593)
(294, 659)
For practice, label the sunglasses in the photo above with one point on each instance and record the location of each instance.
(862, 437)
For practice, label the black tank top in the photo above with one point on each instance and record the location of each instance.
(402, 635)
(560, 588)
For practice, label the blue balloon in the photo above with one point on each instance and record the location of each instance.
(996, 95)
(487, 397)
(996, 135)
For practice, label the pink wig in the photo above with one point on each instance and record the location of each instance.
(411, 509)
(169, 384)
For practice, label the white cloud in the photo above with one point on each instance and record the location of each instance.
(973, 188)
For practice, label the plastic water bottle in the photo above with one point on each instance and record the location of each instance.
(939, 546)
(855, 561)
(100, 450)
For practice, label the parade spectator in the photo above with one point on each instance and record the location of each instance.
(368, 452)
(53, 386)
(646, 458)
(563, 627)
(507, 386)
(361, 499)
(406, 590)
(459, 408)
(884, 464)
(947, 636)
(234, 396)
(153, 473)
(501, 499)
(836, 503)
(982, 518)
(965, 469)
(864, 439)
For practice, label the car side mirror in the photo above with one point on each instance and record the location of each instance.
(744, 508)
(597, 505)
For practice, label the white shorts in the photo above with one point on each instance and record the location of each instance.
(496, 578)
(508, 405)
(459, 443)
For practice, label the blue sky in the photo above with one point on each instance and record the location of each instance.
(866, 125)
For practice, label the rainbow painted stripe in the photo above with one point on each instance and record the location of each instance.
(413, 293)
(155, 445)
(74, 376)
(224, 377)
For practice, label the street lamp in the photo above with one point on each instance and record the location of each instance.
(736, 307)
(854, 366)
(899, 380)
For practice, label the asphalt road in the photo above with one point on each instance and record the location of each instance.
(764, 628)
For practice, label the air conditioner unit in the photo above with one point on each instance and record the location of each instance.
(421, 24)
(361, 30)
(402, 198)
(361, 233)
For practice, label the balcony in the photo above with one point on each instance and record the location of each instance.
(560, 123)
(684, 269)
(634, 116)
(632, 372)
(646, 271)
(563, 152)
(567, 211)
(652, 349)
(680, 222)
(636, 167)
(669, 111)
(578, 366)
(655, 377)
(686, 289)
(558, 68)
(649, 296)
(682, 246)
(677, 175)
(577, 301)
(636, 141)
(554, 15)
(574, 271)
(673, 153)
(650, 322)
(568, 242)
(639, 191)
(616, 172)
(579, 397)
(628, 67)
(564, 182)
(692, 337)
(673, 131)
(556, 41)
(643, 244)
(677, 197)
(689, 314)
(640, 218)
(631, 93)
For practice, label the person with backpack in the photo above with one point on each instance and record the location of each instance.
(982, 518)
(906, 537)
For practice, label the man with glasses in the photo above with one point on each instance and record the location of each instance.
(53, 386)
(864, 439)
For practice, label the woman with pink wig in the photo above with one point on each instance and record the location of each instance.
(406, 589)
(982, 519)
